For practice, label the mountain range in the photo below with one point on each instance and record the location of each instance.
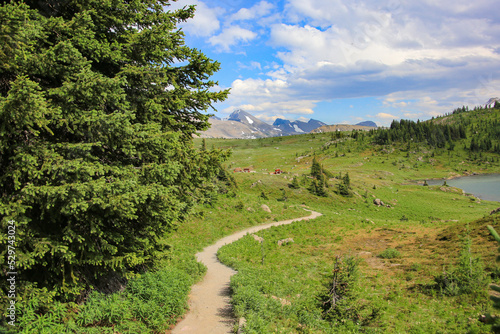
(241, 124)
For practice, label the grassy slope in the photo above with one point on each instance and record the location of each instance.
(428, 240)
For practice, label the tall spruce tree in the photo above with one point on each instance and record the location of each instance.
(318, 184)
(98, 104)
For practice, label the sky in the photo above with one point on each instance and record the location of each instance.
(347, 61)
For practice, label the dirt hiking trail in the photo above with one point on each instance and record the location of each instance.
(210, 311)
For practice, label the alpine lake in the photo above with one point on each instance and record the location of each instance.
(483, 186)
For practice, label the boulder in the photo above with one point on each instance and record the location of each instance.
(495, 211)
(265, 208)
(378, 202)
(257, 238)
(285, 241)
(256, 183)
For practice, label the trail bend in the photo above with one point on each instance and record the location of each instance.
(210, 311)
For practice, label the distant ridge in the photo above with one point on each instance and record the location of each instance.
(241, 124)
(368, 123)
(296, 127)
(341, 127)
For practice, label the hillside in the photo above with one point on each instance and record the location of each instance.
(478, 130)
(403, 251)
(368, 123)
(402, 247)
(341, 127)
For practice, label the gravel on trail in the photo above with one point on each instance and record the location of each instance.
(210, 310)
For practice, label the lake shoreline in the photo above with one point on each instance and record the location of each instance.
(479, 185)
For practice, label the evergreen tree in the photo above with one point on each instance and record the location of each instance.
(295, 183)
(318, 188)
(98, 104)
(344, 186)
(316, 169)
(347, 180)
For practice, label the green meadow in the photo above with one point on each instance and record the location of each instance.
(404, 249)
(419, 263)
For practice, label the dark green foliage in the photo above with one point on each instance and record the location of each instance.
(149, 304)
(390, 253)
(481, 126)
(98, 104)
(316, 169)
(435, 135)
(239, 206)
(344, 186)
(495, 288)
(284, 196)
(152, 302)
(340, 300)
(295, 183)
(318, 185)
(468, 277)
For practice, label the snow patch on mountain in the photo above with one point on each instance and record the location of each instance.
(297, 129)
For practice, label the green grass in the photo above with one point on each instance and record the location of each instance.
(277, 287)
(421, 224)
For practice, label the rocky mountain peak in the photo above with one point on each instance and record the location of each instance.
(491, 102)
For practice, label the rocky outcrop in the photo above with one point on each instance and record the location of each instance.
(378, 202)
(257, 238)
(265, 208)
(285, 241)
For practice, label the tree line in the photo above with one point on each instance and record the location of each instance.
(479, 129)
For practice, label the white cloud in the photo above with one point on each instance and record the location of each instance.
(231, 36)
(321, 13)
(385, 116)
(267, 97)
(420, 57)
(252, 66)
(205, 21)
(261, 9)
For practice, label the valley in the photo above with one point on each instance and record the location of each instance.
(424, 228)
(403, 244)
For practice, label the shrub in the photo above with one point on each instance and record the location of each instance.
(390, 253)
(295, 183)
(150, 303)
(495, 288)
(340, 301)
(468, 277)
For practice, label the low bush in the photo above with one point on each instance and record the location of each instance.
(390, 253)
(152, 302)
(468, 277)
(149, 304)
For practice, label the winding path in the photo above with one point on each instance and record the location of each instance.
(210, 310)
